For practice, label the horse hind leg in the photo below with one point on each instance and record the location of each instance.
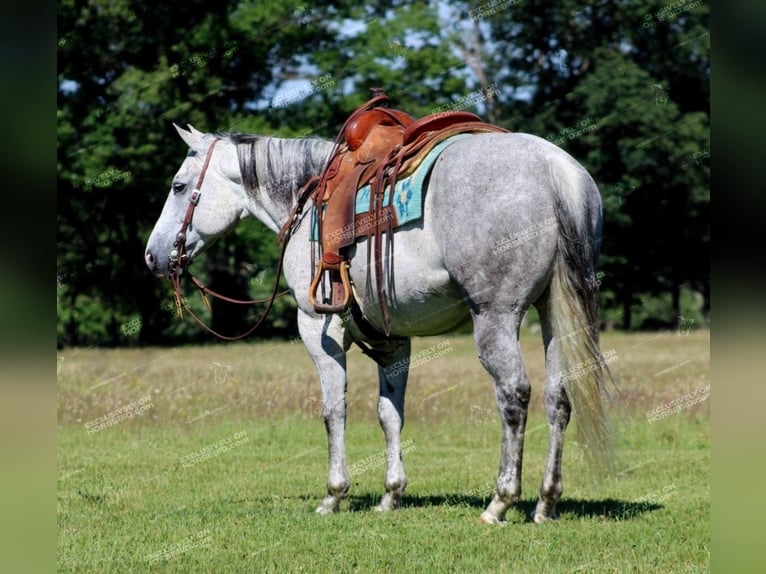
(558, 410)
(497, 343)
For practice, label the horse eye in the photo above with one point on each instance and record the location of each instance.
(178, 187)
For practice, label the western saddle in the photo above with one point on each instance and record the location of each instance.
(377, 145)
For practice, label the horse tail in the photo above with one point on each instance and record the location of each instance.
(573, 309)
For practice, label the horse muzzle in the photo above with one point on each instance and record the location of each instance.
(154, 264)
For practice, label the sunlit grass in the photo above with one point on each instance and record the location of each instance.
(222, 467)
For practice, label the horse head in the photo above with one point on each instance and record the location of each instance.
(205, 201)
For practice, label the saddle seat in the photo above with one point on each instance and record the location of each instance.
(376, 146)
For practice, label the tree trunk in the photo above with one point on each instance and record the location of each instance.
(471, 49)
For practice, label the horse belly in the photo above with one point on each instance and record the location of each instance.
(424, 299)
(428, 313)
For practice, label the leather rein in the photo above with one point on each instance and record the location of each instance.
(179, 266)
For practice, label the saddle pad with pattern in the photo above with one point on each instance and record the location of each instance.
(408, 192)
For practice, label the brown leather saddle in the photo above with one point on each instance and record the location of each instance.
(377, 145)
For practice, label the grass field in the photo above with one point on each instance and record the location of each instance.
(212, 459)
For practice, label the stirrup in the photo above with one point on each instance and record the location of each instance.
(324, 308)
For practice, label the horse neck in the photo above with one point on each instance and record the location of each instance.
(274, 169)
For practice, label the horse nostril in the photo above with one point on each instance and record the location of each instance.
(149, 257)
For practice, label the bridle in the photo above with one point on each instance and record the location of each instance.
(179, 266)
(177, 255)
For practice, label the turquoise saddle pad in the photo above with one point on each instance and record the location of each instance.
(408, 192)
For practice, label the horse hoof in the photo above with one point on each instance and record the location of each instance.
(487, 518)
(542, 518)
(387, 504)
(323, 510)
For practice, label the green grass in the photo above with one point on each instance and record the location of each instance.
(132, 499)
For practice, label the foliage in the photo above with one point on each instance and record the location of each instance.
(622, 86)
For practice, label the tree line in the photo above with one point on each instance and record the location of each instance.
(623, 86)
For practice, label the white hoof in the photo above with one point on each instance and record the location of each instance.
(542, 518)
(328, 505)
(387, 504)
(488, 518)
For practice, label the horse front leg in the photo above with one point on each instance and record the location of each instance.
(324, 338)
(393, 358)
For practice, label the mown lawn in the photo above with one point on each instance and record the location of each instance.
(212, 459)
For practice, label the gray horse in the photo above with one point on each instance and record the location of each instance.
(509, 221)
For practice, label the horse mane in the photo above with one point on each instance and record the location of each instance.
(278, 167)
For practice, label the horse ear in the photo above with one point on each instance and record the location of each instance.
(194, 130)
(192, 139)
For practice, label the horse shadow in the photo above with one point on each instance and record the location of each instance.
(607, 509)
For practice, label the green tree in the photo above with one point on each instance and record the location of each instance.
(624, 87)
(128, 70)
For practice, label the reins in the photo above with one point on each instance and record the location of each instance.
(178, 267)
(181, 303)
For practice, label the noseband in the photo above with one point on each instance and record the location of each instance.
(177, 256)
